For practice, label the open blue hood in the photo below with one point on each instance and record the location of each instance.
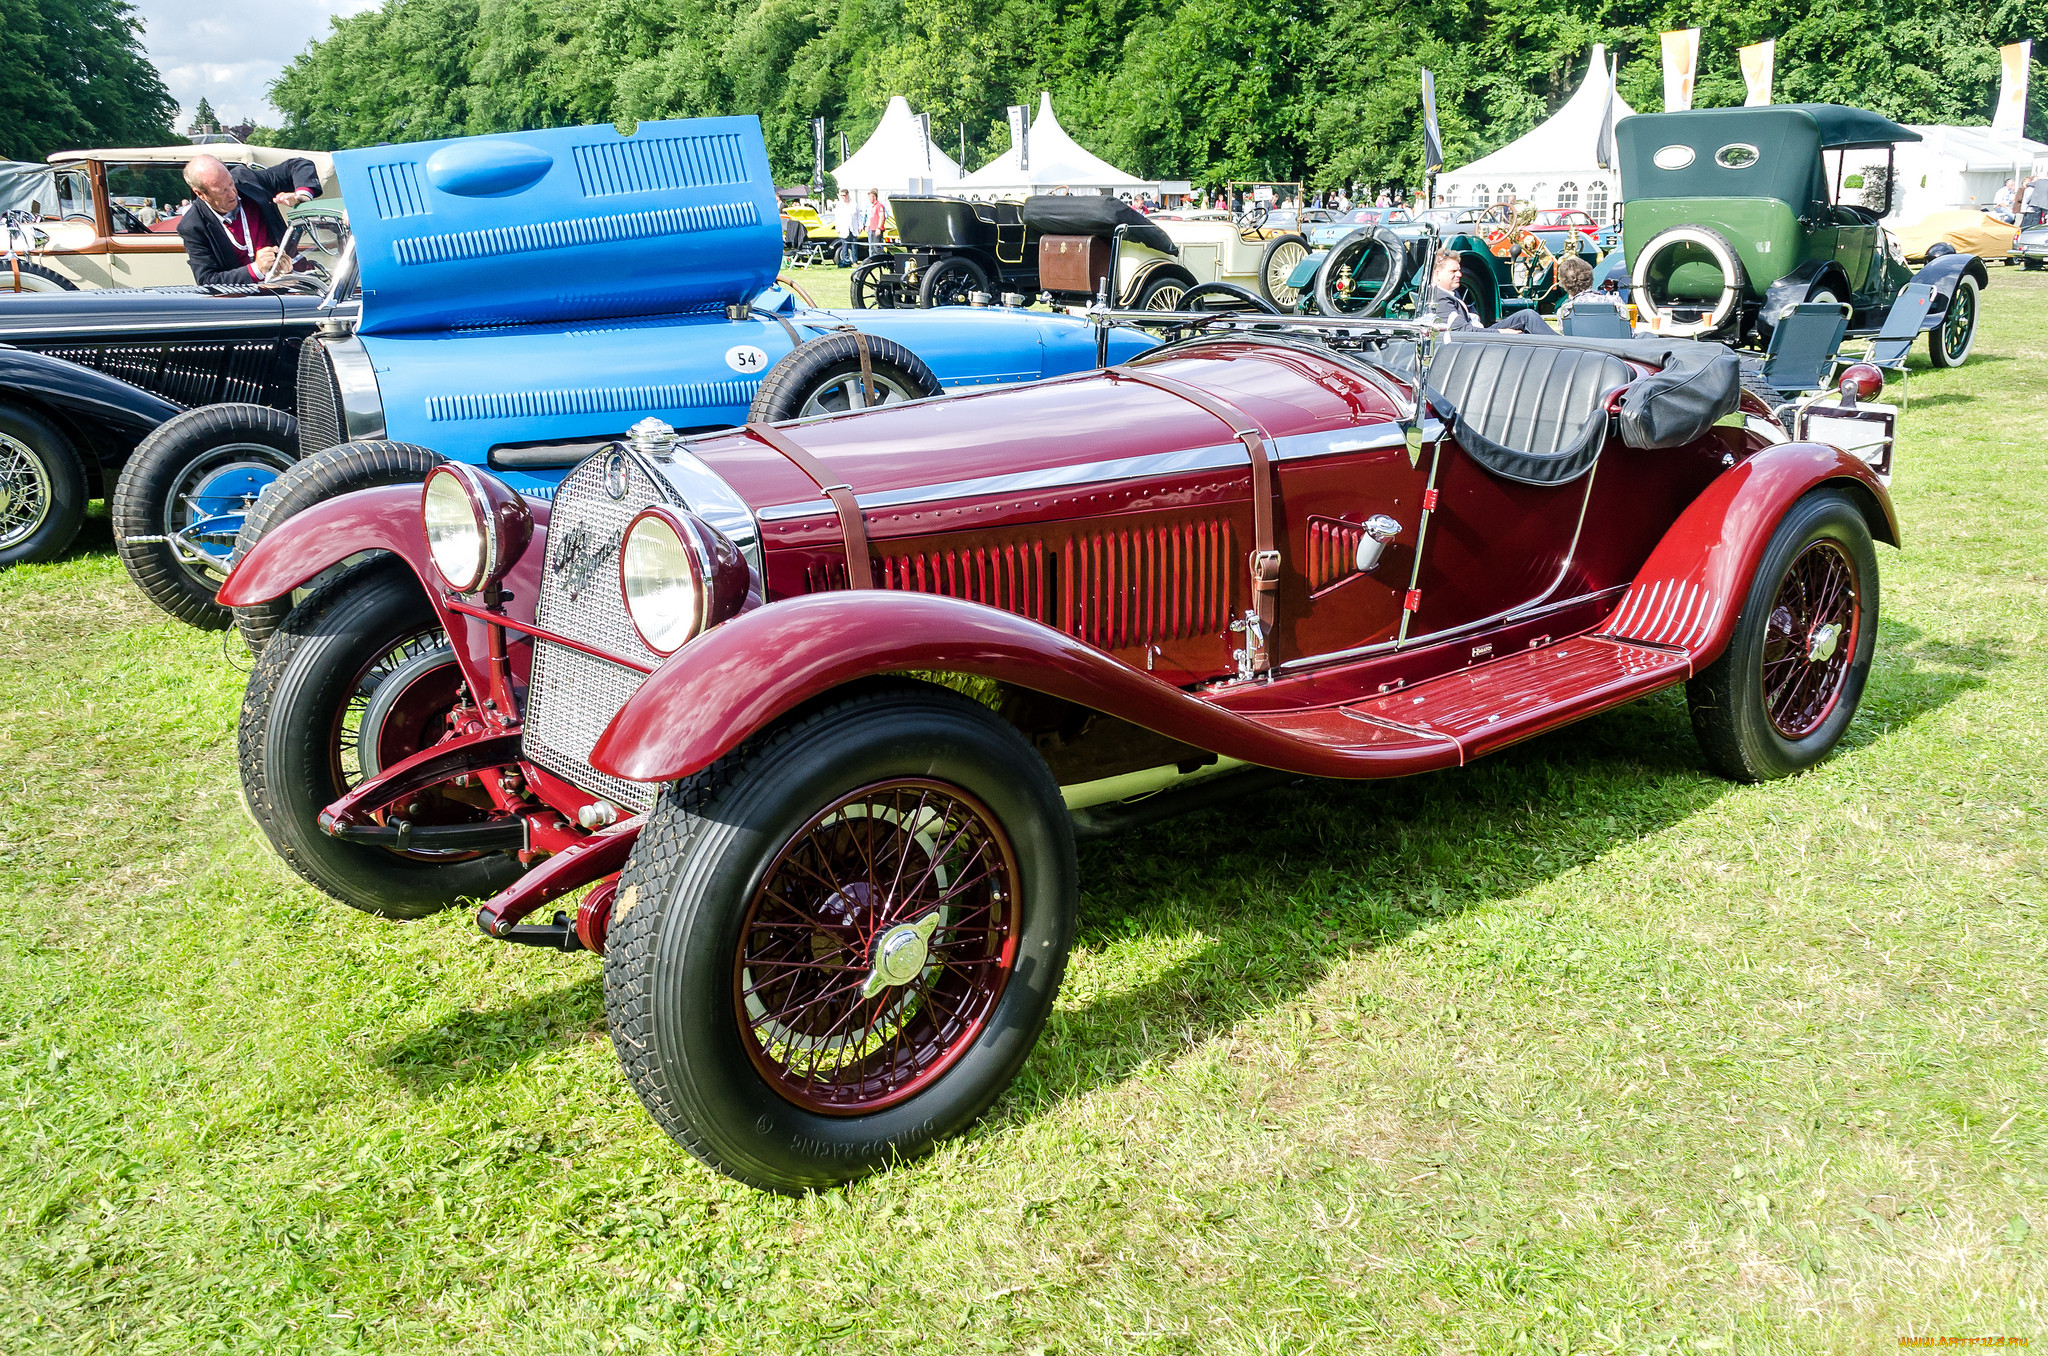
(565, 224)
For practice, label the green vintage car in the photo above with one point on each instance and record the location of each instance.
(1731, 216)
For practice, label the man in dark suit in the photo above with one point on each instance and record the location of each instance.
(236, 221)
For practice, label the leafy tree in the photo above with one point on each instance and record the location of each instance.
(72, 75)
(204, 120)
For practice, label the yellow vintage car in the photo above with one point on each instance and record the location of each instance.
(1968, 230)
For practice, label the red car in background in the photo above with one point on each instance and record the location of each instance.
(818, 708)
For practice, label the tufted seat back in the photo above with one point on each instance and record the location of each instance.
(1536, 413)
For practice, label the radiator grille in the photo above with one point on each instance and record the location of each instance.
(574, 695)
(319, 400)
(1332, 551)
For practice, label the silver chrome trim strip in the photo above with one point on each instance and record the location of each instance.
(116, 331)
(1216, 456)
(707, 494)
(362, 404)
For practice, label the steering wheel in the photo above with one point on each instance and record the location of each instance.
(1253, 218)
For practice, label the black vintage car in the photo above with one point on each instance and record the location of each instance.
(953, 248)
(175, 404)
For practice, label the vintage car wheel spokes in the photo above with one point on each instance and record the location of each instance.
(881, 937)
(1961, 319)
(24, 491)
(1280, 262)
(1809, 640)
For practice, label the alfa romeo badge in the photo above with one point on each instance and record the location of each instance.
(615, 474)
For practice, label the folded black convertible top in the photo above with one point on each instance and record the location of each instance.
(1058, 214)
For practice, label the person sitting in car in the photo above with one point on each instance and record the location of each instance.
(1447, 306)
(233, 231)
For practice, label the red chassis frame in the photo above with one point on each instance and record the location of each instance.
(1381, 717)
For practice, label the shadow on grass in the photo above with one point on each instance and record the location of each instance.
(1285, 886)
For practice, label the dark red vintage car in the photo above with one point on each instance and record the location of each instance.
(817, 708)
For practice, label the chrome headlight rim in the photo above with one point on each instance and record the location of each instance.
(694, 550)
(498, 516)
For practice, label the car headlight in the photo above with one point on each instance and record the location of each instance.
(680, 577)
(477, 527)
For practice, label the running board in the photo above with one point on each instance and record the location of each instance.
(1450, 720)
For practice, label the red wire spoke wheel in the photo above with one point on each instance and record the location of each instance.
(880, 940)
(1780, 696)
(1808, 639)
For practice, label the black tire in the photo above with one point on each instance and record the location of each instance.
(152, 498)
(1223, 296)
(1164, 290)
(874, 286)
(1476, 288)
(42, 488)
(950, 282)
(1279, 257)
(294, 760)
(1731, 699)
(1950, 342)
(673, 952)
(316, 477)
(821, 376)
(1725, 316)
(1352, 251)
(34, 278)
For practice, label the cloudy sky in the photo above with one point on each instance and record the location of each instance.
(228, 51)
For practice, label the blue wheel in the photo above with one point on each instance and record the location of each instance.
(182, 497)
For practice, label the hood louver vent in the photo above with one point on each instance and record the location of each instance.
(1332, 552)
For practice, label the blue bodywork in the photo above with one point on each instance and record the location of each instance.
(564, 284)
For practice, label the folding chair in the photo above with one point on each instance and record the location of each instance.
(1801, 357)
(1597, 319)
(1901, 327)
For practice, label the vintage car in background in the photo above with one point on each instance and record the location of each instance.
(530, 296)
(1964, 229)
(114, 223)
(2030, 247)
(1730, 218)
(88, 377)
(1506, 264)
(815, 709)
(1065, 248)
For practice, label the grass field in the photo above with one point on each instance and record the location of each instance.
(1577, 1049)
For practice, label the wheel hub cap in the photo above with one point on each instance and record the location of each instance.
(1824, 642)
(900, 955)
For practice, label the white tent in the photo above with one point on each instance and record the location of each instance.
(1552, 165)
(1950, 167)
(1056, 160)
(897, 158)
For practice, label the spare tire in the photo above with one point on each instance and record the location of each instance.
(1349, 259)
(317, 477)
(1675, 256)
(822, 376)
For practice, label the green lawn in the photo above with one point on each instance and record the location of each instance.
(1576, 1049)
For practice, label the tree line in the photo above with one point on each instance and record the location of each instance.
(73, 74)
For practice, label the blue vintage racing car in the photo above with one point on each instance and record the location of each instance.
(529, 296)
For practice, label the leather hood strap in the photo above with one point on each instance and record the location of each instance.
(1265, 557)
(852, 527)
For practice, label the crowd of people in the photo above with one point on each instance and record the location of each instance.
(2023, 203)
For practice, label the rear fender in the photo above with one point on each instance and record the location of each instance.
(1791, 289)
(738, 679)
(1688, 592)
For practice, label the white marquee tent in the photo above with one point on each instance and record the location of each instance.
(1552, 165)
(1056, 161)
(1952, 167)
(897, 158)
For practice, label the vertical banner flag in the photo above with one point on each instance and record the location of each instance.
(817, 157)
(842, 148)
(1020, 135)
(963, 148)
(1603, 140)
(1681, 64)
(924, 134)
(2010, 117)
(1432, 135)
(1757, 60)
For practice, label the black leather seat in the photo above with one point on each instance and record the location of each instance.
(1532, 412)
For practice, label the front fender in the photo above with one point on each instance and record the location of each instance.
(733, 681)
(1942, 274)
(105, 412)
(295, 551)
(1692, 586)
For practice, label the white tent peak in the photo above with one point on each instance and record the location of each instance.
(895, 156)
(1057, 161)
(1557, 150)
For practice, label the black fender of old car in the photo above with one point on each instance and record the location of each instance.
(103, 416)
(1792, 288)
(739, 677)
(1944, 275)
